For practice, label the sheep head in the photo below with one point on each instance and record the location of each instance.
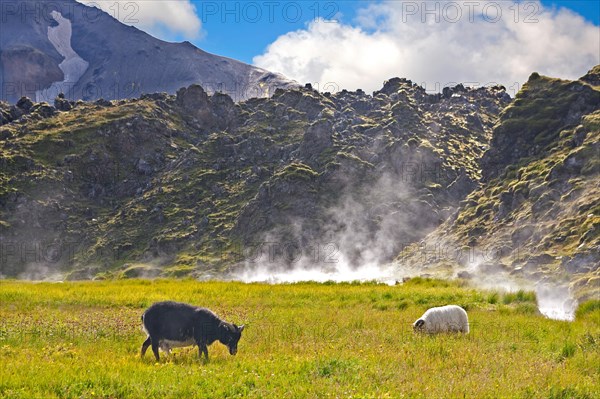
(419, 325)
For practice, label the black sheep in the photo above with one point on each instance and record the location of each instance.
(173, 324)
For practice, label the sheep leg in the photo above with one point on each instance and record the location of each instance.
(155, 349)
(203, 349)
(145, 345)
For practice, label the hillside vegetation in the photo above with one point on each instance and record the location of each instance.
(82, 340)
(184, 184)
(537, 212)
(194, 185)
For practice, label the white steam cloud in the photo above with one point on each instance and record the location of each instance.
(360, 235)
(366, 230)
(554, 299)
(167, 20)
(437, 43)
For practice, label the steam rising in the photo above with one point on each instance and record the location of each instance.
(359, 238)
(40, 272)
(366, 231)
(556, 302)
(338, 274)
(554, 299)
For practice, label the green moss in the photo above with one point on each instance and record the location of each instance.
(140, 270)
(351, 157)
(296, 171)
(591, 122)
(540, 112)
(178, 271)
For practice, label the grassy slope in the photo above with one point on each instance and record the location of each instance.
(73, 180)
(536, 213)
(81, 340)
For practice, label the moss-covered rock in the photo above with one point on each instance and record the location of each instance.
(179, 182)
(540, 196)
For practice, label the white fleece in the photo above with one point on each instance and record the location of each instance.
(450, 318)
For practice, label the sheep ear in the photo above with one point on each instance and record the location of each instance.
(419, 322)
(241, 328)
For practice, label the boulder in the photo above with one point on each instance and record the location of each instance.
(24, 104)
(461, 186)
(192, 98)
(5, 135)
(196, 103)
(44, 110)
(224, 109)
(62, 104)
(103, 103)
(581, 262)
(317, 138)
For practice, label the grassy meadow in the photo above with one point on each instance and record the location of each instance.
(307, 340)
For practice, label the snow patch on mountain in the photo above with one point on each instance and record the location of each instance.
(73, 66)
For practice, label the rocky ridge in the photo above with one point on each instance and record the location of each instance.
(466, 182)
(189, 183)
(536, 215)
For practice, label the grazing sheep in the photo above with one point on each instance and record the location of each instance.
(173, 325)
(450, 318)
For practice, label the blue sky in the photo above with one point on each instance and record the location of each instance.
(358, 44)
(245, 38)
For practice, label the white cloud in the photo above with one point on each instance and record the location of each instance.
(395, 38)
(167, 20)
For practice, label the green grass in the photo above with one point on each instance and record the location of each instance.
(589, 307)
(82, 340)
(519, 296)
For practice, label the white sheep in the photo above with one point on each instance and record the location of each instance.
(450, 318)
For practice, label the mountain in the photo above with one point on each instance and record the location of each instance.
(467, 183)
(536, 214)
(192, 183)
(52, 47)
